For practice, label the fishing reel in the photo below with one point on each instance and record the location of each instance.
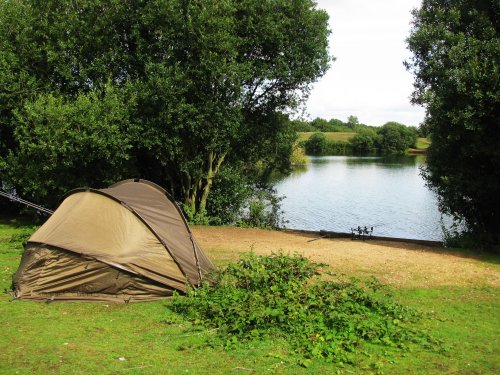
(361, 233)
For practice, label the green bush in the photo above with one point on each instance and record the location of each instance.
(298, 157)
(263, 210)
(302, 126)
(333, 125)
(316, 144)
(319, 145)
(237, 200)
(276, 297)
(195, 218)
(395, 138)
(230, 192)
(364, 141)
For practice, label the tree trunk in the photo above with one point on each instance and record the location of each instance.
(195, 192)
(213, 166)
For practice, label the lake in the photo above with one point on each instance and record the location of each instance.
(337, 193)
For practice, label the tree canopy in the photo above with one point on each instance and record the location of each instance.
(168, 90)
(456, 52)
(396, 138)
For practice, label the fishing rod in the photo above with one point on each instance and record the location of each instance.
(361, 231)
(26, 203)
(375, 225)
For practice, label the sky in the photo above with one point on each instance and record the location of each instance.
(368, 79)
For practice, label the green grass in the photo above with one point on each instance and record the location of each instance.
(423, 143)
(81, 338)
(331, 136)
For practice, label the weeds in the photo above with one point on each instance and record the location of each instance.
(277, 297)
(22, 236)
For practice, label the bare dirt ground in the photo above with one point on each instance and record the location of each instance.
(395, 263)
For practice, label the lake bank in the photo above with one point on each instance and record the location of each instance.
(398, 264)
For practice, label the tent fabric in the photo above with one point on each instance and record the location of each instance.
(53, 274)
(129, 242)
(152, 204)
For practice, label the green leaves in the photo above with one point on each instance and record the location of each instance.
(276, 296)
(318, 144)
(66, 143)
(455, 47)
(395, 138)
(201, 82)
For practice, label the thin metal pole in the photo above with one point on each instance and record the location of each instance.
(26, 203)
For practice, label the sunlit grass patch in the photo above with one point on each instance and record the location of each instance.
(423, 143)
(331, 136)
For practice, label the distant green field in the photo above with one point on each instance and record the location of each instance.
(423, 142)
(331, 136)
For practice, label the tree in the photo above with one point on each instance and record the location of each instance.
(203, 82)
(352, 122)
(82, 142)
(365, 141)
(456, 50)
(396, 138)
(321, 125)
(317, 144)
(338, 125)
(300, 125)
(423, 130)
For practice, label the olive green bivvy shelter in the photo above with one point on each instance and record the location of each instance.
(129, 242)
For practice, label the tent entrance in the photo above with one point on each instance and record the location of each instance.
(50, 273)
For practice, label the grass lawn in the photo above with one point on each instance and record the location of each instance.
(423, 143)
(140, 338)
(331, 136)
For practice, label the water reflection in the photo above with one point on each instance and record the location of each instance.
(340, 192)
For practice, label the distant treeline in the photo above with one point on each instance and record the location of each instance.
(333, 125)
(391, 138)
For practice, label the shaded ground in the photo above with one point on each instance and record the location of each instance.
(397, 264)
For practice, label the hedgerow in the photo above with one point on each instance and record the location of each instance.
(280, 296)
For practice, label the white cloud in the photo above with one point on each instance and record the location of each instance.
(368, 78)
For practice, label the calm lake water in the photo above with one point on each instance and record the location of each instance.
(340, 192)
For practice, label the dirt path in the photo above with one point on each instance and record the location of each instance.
(398, 264)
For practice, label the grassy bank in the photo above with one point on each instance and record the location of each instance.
(144, 338)
(340, 143)
(423, 143)
(331, 136)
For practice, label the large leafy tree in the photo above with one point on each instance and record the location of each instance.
(202, 83)
(456, 54)
(396, 138)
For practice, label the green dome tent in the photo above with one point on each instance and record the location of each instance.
(129, 242)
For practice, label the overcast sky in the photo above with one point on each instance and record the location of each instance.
(368, 79)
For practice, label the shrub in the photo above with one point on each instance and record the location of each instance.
(364, 141)
(263, 209)
(302, 126)
(298, 156)
(230, 192)
(395, 138)
(195, 218)
(276, 297)
(318, 144)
